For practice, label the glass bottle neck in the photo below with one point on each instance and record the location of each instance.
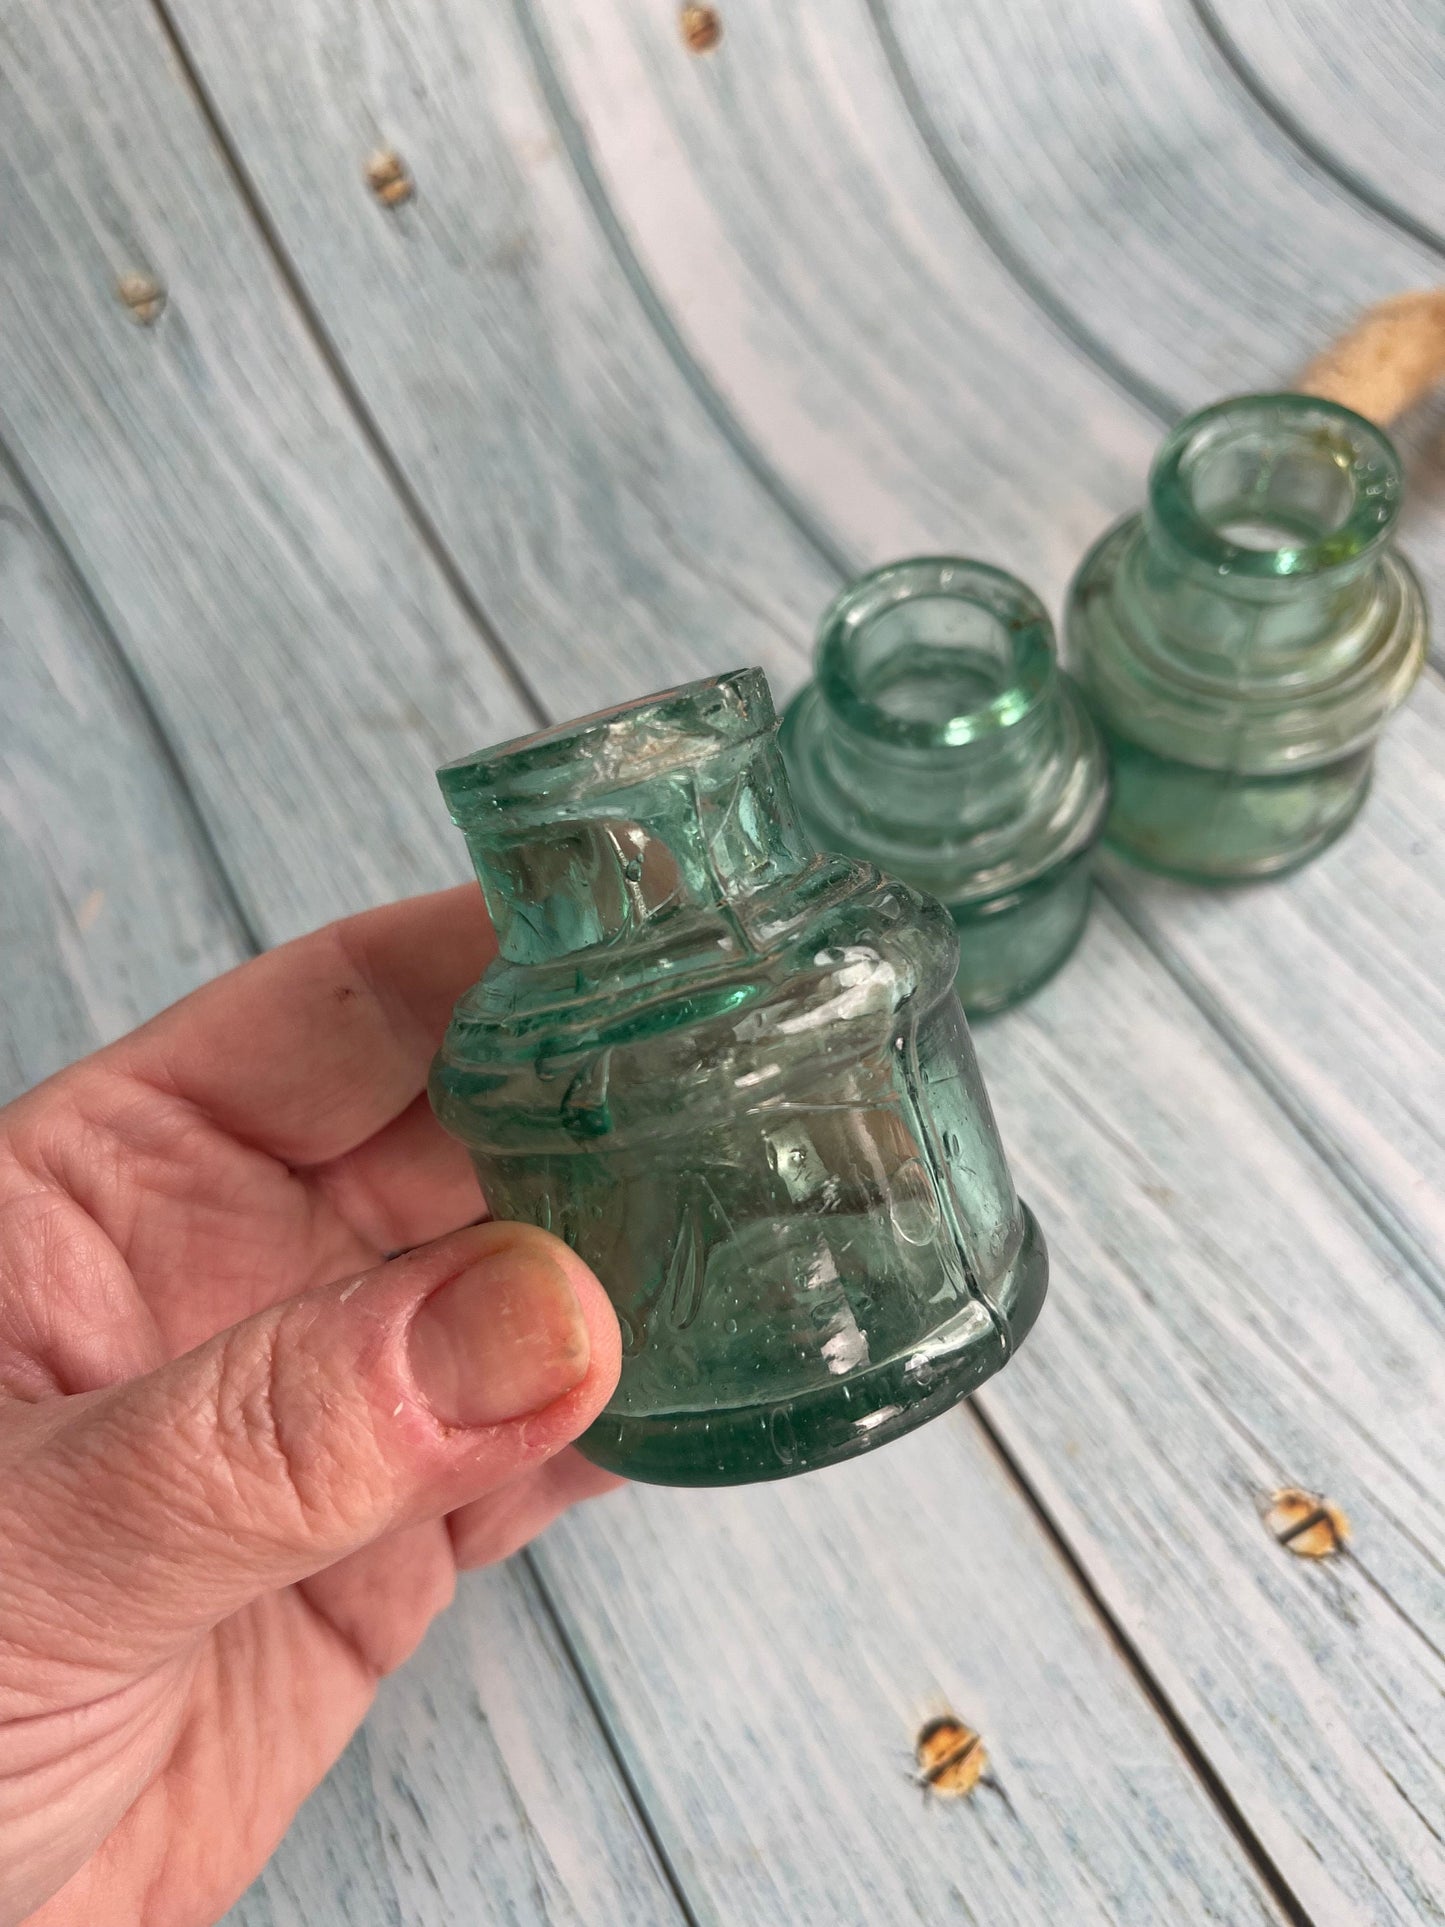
(604, 831)
(1263, 530)
(937, 675)
(924, 785)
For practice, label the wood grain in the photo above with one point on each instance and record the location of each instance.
(111, 908)
(1122, 187)
(519, 384)
(240, 535)
(1157, 205)
(1221, 1326)
(332, 1866)
(1363, 97)
(768, 1657)
(475, 1794)
(867, 345)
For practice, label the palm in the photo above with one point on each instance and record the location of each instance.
(275, 1141)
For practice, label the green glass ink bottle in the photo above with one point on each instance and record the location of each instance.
(733, 1074)
(941, 740)
(1244, 640)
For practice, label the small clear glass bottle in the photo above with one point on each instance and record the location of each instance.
(733, 1074)
(941, 740)
(1244, 640)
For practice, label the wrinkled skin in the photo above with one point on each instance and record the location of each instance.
(227, 1508)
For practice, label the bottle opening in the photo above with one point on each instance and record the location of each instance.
(596, 832)
(1276, 485)
(611, 749)
(935, 651)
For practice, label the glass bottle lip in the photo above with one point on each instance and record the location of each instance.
(1023, 634)
(1302, 426)
(612, 748)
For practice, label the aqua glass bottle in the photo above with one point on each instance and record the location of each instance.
(941, 740)
(734, 1076)
(1244, 640)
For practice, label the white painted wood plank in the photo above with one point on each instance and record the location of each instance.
(110, 909)
(768, 1657)
(514, 374)
(1156, 205)
(877, 355)
(1364, 85)
(1219, 1328)
(1123, 159)
(462, 1802)
(210, 481)
(456, 89)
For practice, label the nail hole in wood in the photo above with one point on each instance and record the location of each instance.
(144, 296)
(388, 179)
(701, 28)
(1305, 1524)
(951, 1757)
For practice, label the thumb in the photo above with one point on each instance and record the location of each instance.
(135, 1517)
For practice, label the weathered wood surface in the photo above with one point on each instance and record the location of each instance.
(768, 1658)
(214, 487)
(110, 906)
(1362, 97)
(1223, 1325)
(1154, 203)
(475, 1793)
(660, 346)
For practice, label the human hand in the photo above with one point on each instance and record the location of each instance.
(241, 1458)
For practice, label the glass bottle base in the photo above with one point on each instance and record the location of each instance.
(1010, 945)
(1213, 826)
(747, 1444)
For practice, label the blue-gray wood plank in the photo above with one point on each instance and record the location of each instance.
(660, 347)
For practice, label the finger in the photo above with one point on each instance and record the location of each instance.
(135, 1517)
(408, 1184)
(380, 1601)
(308, 1050)
(500, 1524)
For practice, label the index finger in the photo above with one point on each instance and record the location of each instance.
(309, 1050)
